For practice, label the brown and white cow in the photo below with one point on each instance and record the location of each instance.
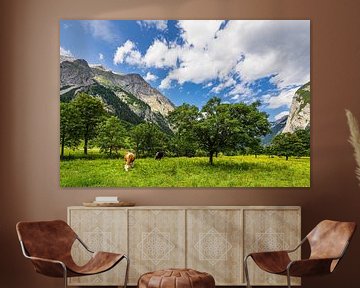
(129, 159)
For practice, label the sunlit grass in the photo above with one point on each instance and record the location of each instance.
(227, 171)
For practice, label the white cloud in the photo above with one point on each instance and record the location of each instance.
(253, 49)
(127, 53)
(236, 53)
(256, 66)
(280, 48)
(199, 33)
(242, 89)
(194, 67)
(161, 54)
(227, 83)
(134, 57)
(101, 56)
(65, 52)
(101, 29)
(208, 85)
(243, 98)
(158, 24)
(281, 114)
(150, 77)
(280, 100)
(165, 84)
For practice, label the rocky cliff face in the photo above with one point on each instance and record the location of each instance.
(140, 88)
(299, 116)
(276, 128)
(128, 96)
(66, 58)
(76, 72)
(137, 86)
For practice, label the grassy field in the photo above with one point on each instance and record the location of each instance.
(227, 171)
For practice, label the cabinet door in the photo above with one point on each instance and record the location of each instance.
(270, 230)
(156, 240)
(214, 244)
(101, 230)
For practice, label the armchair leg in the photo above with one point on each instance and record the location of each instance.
(288, 279)
(65, 276)
(127, 271)
(246, 270)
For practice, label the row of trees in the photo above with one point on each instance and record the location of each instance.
(85, 120)
(291, 144)
(217, 127)
(295, 144)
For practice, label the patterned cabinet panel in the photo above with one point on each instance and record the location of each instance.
(101, 230)
(210, 239)
(268, 230)
(214, 244)
(156, 240)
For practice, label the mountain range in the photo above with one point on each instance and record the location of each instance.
(134, 100)
(299, 115)
(128, 96)
(298, 118)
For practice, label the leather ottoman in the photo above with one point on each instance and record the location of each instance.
(176, 278)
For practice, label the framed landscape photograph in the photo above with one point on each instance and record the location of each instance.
(184, 103)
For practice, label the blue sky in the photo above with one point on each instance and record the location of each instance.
(193, 60)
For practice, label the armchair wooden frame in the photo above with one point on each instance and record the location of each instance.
(320, 261)
(100, 261)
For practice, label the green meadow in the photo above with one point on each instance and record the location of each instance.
(227, 171)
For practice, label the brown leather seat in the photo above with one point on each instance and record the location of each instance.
(48, 245)
(328, 242)
(176, 278)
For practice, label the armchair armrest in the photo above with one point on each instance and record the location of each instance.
(308, 267)
(298, 246)
(48, 267)
(280, 252)
(83, 244)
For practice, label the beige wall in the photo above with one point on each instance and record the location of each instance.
(29, 118)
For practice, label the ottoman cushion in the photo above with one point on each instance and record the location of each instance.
(176, 278)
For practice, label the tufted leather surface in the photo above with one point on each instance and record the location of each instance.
(176, 278)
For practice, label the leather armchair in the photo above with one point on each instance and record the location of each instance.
(48, 245)
(328, 243)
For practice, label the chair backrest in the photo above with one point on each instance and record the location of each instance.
(329, 239)
(46, 239)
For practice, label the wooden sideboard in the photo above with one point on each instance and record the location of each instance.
(212, 239)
